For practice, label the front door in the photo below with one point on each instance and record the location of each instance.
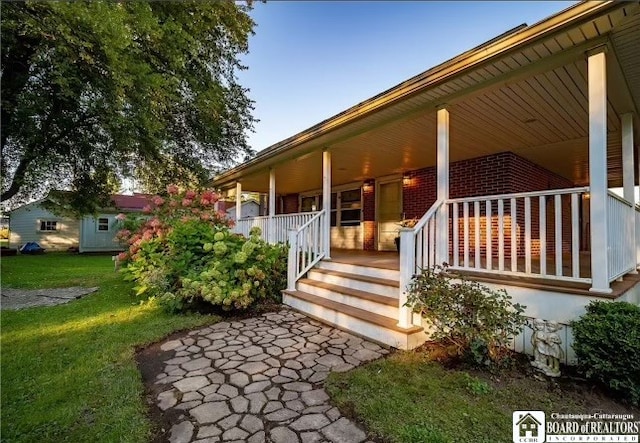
(389, 214)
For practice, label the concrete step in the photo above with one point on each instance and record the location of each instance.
(378, 304)
(374, 285)
(373, 326)
(369, 271)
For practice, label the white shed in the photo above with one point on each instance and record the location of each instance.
(250, 208)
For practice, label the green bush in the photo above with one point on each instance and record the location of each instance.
(477, 321)
(607, 345)
(185, 254)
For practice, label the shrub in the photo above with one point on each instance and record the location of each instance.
(184, 253)
(607, 345)
(476, 320)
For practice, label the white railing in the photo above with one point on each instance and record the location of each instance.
(274, 229)
(244, 225)
(306, 247)
(531, 234)
(620, 216)
(417, 251)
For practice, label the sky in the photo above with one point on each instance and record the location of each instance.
(311, 60)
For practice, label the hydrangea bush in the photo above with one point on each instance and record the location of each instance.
(184, 253)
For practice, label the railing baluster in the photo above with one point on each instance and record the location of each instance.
(476, 216)
(558, 229)
(575, 242)
(501, 235)
(527, 235)
(432, 242)
(514, 236)
(454, 249)
(489, 232)
(465, 226)
(542, 221)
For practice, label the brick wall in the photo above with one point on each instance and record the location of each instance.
(289, 204)
(490, 175)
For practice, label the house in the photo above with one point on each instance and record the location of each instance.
(33, 223)
(528, 426)
(504, 155)
(250, 208)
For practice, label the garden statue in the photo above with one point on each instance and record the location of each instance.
(547, 349)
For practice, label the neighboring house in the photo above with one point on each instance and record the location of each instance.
(503, 155)
(33, 223)
(250, 208)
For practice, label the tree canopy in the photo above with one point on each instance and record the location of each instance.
(95, 91)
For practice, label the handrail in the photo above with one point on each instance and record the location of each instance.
(425, 218)
(306, 247)
(311, 220)
(520, 195)
(620, 199)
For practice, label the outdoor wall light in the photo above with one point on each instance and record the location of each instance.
(367, 186)
(406, 179)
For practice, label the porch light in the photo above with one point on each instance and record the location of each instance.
(406, 179)
(367, 186)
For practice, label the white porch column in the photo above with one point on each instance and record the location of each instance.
(326, 201)
(238, 201)
(272, 205)
(442, 161)
(628, 171)
(597, 74)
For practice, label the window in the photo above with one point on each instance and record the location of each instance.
(346, 206)
(103, 224)
(48, 225)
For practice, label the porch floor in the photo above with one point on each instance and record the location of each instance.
(391, 260)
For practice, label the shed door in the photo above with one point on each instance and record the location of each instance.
(389, 214)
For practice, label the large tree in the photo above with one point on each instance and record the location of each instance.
(95, 91)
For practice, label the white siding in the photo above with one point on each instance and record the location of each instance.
(249, 209)
(25, 227)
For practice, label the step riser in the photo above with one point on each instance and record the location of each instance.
(355, 325)
(367, 305)
(374, 288)
(389, 274)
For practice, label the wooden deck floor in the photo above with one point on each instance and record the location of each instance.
(391, 260)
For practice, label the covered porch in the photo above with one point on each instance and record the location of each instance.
(499, 162)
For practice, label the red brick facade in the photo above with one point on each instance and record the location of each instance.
(289, 204)
(491, 175)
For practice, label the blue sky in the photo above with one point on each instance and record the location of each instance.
(311, 60)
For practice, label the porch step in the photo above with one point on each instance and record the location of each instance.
(373, 326)
(370, 270)
(374, 285)
(378, 304)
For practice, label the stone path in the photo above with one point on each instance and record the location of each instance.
(260, 380)
(14, 299)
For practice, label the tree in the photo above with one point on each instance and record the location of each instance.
(96, 91)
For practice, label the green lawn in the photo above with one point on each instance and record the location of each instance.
(407, 398)
(68, 372)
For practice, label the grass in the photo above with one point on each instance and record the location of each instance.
(407, 398)
(68, 371)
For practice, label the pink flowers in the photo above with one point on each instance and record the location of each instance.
(157, 200)
(190, 195)
(122, 256)
(155, 223)
(147, 209)
(172, 189)
(121, 217)
(186, 202)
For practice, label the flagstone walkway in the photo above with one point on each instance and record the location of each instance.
(260, 379)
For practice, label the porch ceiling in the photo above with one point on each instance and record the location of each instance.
(532, 102)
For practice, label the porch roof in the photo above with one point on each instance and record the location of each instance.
(524, 91)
